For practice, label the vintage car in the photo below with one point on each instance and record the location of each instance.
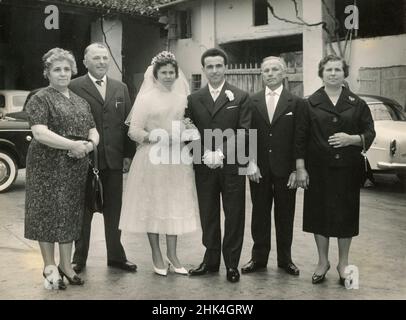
(12, 100)
(15, 137)
(388, 151)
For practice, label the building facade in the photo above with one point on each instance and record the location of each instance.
(249, 30)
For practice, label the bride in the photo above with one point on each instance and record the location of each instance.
(160, 194)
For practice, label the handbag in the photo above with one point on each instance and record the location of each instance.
(364, 154)
(95, 186)
(366, 172)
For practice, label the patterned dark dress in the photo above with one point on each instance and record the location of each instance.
(55, 182)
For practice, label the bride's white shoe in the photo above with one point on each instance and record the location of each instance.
(161, 272)
(180, 270)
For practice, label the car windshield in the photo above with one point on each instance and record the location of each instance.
(382, 111)
(18, 102)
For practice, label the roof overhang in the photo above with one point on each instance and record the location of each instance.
(170, 4)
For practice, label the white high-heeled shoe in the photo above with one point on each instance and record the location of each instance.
(180, 270)
(52, 279)
(161, 272)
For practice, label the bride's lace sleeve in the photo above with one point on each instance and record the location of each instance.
(138, 120)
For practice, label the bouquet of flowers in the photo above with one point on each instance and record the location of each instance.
(190, 131)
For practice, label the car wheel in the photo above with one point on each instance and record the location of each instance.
(8, 171)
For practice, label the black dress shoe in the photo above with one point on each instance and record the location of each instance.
(319, 278)
(290, 268)
(252, 266)
(78, 267)
(75, 280)
(342, 279)
(233, 275)
(123, 265)
(203, 268)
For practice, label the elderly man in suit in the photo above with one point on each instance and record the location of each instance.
(110, 104)
(220, 108)
(272, 173)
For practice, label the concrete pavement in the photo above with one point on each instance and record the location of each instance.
(379, 252)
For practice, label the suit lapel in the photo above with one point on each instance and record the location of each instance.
(260, 104)
(345, 101)
(206, 99)
(221, 99)
(90, 88)
(282, 106)
(320, 100)
(110, 91)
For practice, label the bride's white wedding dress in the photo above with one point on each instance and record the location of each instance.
(159, 198)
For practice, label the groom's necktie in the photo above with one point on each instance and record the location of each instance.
(215, 93)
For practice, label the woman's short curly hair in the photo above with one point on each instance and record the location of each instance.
(332, 57)
(162, 59)
(58, 54)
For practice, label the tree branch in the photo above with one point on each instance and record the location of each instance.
(301, 23)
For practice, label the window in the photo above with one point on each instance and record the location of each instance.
(260, 12)
(18, 102)
(380, 111)
(196, 82)
(184, 24)
(179, 24)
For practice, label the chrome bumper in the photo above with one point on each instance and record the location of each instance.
(391, 166)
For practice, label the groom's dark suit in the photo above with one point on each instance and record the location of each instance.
(276, 162)
(225, 182)
(109, 115)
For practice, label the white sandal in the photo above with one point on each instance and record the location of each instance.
(52, 278)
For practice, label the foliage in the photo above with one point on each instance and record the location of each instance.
(132, 7)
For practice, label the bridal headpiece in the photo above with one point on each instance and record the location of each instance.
(164, 56)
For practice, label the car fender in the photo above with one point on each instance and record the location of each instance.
(11, 148)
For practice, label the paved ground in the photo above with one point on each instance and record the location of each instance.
(379, 252)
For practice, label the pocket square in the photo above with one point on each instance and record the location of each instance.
(289, 114)
(232, 107)
(119, 100)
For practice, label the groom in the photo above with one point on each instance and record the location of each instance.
(223, 108)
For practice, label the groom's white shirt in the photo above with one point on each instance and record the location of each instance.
(216, 92)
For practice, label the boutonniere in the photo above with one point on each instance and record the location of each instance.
(229, 94)
(351, 98)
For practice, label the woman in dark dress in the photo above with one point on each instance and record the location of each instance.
(332, 127)
(57, 164)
